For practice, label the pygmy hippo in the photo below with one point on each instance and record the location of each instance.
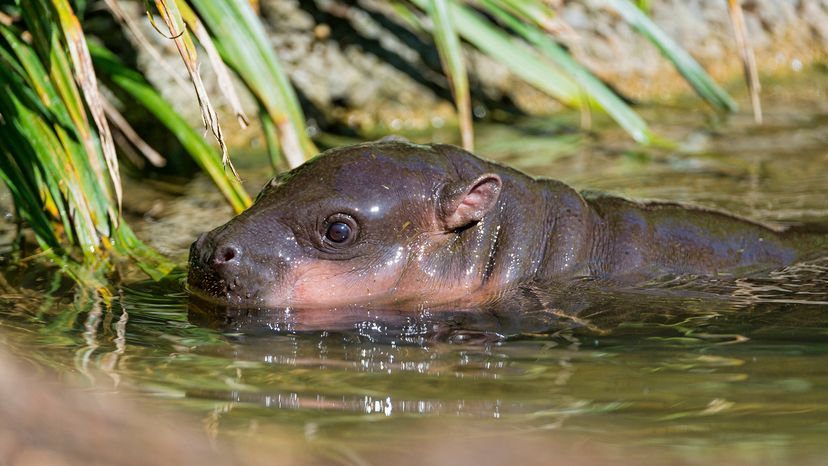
(398, 225)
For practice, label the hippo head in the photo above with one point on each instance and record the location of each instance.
(375, 224)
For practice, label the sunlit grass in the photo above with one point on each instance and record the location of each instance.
(592, 87)
(52, 157)
(243, 44)
(451, 54)
(142, 93)
(536, 56)
(689, 68)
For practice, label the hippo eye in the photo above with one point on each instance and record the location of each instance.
(338, 232)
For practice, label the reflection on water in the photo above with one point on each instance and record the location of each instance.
(698, 368)
(701, 366)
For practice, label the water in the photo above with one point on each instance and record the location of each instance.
(689, 371)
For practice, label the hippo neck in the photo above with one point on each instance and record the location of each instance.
(571, 232)
(542, 229)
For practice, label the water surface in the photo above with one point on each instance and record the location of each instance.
(691, 371)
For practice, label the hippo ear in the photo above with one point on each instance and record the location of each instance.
(462, 204)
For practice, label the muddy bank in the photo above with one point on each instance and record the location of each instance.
(357, 66)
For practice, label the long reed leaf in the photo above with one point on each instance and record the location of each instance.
(85, 76)
(271, 135)
(186, 49)
(147, 259)
(47, 42)
(451, 55)
(751, 72)
(44, 139)
(538, 12)
(51, 158)
(593, 87)
(695, 75)
(518, 57)
(243, 44)
(222, 73)
(131, 25)
(143, 93)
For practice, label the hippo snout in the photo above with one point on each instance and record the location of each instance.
(242, 263)
(224, 256)
(218, 269)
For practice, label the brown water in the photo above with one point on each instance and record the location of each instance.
(693, 371)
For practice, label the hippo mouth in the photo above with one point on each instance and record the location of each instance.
(207, 284)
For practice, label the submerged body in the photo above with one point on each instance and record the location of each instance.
(395, 225)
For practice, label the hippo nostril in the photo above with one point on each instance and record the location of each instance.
(226, 254)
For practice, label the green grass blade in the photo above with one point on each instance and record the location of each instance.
(626, 117)
(271, 139)
(180, 35)
(57, 172)
(645, 6)
(205, 156)
(47, 42)
(520, 59)
(51, 107)
(51, 158)
(24, 193)
(47, 151)
(22, 178)
(243, 44)
(84, 75)
(536, 11)
(695, 75)
(451, 55)
(147, 259)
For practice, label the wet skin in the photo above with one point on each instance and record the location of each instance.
(405, 227)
